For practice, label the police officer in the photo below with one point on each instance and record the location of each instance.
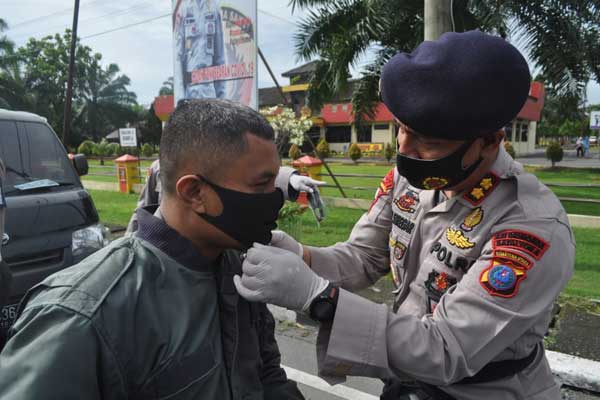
(478, 248)
(199, 45)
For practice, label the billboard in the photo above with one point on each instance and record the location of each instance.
(215, 50)
(595, 120)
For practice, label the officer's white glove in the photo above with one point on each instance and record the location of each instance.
(282, 240)
(279, 277)
(303, 183)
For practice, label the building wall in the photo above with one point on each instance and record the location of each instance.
(523, 129)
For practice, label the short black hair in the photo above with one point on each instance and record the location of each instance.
(209, 130)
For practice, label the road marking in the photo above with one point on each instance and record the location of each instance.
(315, 382)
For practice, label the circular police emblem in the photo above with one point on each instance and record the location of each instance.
(502, 277)
(434, 182)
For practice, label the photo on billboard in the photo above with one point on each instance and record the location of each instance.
(215, 50)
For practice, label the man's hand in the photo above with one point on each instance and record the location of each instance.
(303, 183)
(279, 277)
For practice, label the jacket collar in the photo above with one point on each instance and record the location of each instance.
(153, 229)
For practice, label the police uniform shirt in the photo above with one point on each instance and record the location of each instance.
(476, 276)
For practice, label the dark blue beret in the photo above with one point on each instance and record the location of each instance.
(459, 87)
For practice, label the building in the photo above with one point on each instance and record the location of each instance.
(335, 122)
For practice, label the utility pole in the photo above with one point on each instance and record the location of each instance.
(69, 95)
(438, 18)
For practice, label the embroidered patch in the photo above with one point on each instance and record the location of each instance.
(458, 239)
(434, 182)
(472, 220)
(483, 189)
(436, 285)
(457, 263)
(386, 184)
(501, 280)
(398, 248)
(517, 259)
(403, 223)
(407, 201)
(521, 240)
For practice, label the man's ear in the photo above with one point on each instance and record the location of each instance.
(192, 191)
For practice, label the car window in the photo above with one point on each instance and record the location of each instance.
(11, 154)
(30, 152)
(44, 156)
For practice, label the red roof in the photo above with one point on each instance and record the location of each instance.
(307, 161)
(127, 158)
(532, 110)
(342, 114)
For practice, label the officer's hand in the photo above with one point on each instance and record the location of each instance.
(279, 277)
(282, 240)
(303, 183)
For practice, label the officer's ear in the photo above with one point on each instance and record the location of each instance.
(491, 143)
(194, 192)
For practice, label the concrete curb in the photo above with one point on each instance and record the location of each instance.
(574, 371)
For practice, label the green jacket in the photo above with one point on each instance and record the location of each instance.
(130, 322)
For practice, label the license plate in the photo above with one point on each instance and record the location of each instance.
(7, 316)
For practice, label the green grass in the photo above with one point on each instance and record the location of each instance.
(586, 279)
(114, 207)
(563, 174)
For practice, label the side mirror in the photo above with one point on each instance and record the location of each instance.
(80, 163)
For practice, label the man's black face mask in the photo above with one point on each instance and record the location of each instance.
(246, 217)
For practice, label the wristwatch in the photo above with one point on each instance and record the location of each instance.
(322, 308)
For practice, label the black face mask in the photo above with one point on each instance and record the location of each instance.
(246, 217)
(437, 174)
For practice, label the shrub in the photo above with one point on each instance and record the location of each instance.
(114, 149)
(323, 148)
(354, 152)
(102, 150)
(388, 152)
(294, 152)
(554, 152)
(147, 150)
(86, 147)
(509, 149)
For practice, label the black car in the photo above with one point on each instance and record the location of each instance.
(51, 222)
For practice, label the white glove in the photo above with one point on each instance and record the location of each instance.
(303, 183)
(282, 240)
(279, 277)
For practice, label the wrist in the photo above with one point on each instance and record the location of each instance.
(323, 307)
(306, 256)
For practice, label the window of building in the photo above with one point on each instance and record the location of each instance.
(338, 134)
(381, 127)
(334, 108)
(345, 107)
(524, 131)
(364, 133)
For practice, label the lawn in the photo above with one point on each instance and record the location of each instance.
(116, 208)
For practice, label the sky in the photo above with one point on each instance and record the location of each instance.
(143, 52)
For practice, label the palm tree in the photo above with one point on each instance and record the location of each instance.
(167, 87)
(104, 100)
(562, 37)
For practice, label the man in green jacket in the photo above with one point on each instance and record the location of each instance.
(156, 314)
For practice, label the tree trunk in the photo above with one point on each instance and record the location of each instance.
(101, 160)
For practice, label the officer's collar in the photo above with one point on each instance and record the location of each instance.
(154, 229)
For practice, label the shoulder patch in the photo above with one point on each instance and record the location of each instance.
(482, 190)
(520, 240)
(502, 279)
(385, 187)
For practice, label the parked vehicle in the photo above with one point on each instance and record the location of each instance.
(51, 222)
